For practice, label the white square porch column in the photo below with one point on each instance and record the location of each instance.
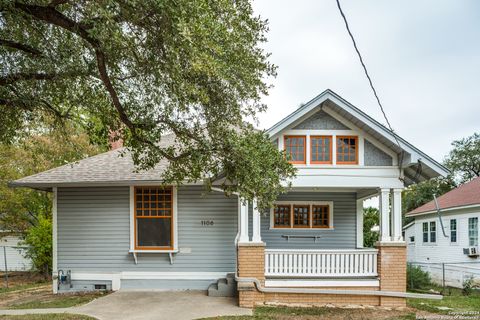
(243, 220)
(397, 215)
(385, 215)
(256, 223)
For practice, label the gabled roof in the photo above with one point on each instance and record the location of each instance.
(467, 194)
(108, 168)
(329, 100)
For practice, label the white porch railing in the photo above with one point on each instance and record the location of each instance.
(321, 263)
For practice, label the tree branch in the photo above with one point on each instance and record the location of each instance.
(12, 78)
(20, 46)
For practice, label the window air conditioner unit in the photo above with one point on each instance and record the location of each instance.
(471, 251)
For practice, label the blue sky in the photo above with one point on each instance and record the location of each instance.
(423, 56)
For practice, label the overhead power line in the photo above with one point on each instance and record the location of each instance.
(371, 85)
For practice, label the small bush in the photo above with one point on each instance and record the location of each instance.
(417, 278)
(39, 245)
(467, 286)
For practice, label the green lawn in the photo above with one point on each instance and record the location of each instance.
(453, 299)
(288, 313)
(57, 301)
(53, 316)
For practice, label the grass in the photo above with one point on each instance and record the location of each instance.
(284, 313)
(453, 299)
(23, 287)
(58, 301)
(52, 316)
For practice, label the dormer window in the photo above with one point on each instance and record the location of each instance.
(321, 149)
(295, 149)
(347, 150)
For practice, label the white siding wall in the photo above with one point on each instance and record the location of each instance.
(431, 255)
(15, 254)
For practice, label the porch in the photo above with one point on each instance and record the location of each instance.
(285, 260)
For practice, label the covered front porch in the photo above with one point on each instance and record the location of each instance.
(327, 255)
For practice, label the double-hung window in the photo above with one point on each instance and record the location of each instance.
(453, 230)
(295, 148)
(425, 231)
(153, 218)
(347, 150)
(429, 232)
(473, 232)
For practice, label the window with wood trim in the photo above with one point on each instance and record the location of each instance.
(347, 150)
(295, 148)
(321, 149)
(301, 216)
(281, 217)
(320, 216)
(153, 218)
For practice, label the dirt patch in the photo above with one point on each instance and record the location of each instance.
(25, 295)
(16, 279)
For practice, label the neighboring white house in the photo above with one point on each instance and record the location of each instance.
(457, 248)
(13, 252)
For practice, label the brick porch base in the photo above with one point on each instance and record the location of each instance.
(391, 270)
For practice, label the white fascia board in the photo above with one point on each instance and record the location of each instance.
(449, 210)
(416, 154)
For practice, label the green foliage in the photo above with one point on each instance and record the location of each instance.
(38, 241)
(418, 194)
(417, 278)
(464, 159)
(144, 69)
(468, 285)
(42, 150)
(371, 218)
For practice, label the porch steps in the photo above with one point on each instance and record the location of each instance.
(225, 287)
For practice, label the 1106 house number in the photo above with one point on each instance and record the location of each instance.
(207, 222)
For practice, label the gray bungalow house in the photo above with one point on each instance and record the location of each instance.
(114, 228)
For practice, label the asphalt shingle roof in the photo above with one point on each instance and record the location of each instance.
(109, 167)
(465, 195)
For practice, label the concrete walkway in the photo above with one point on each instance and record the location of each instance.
(179, 305)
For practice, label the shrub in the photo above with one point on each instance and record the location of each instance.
(467, 286)
(39, 245)
(417, 278)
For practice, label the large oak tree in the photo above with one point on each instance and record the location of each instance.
(142, 69)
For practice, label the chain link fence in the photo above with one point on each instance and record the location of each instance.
(13, 260)
(450, 274)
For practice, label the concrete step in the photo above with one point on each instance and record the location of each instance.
(224, 287)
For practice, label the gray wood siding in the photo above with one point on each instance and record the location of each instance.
(343, 234)
(94, 232)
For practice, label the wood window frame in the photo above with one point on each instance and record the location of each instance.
(292, 216)
(311, 205)
(304, 137)
(327, 226)
(337, 138)
(172, 219)
(331, 149)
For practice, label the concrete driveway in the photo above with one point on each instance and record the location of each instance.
(160, 305)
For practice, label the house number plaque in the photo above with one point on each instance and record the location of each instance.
(207, 223)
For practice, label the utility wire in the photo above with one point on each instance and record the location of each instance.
(371, 85)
